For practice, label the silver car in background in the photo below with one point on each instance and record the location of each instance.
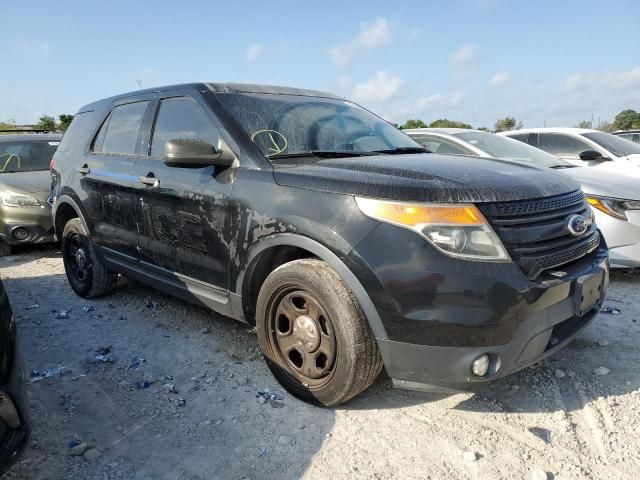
(584, 147)
(615, 197)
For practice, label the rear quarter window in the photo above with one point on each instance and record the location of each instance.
(78, 128)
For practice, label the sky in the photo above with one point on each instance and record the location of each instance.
(543, 62)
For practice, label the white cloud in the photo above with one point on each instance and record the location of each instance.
(464, 56)
(253, 52)
(500, 79)
(597, 80)
(463, 61)
(375, 35)
(382, 86)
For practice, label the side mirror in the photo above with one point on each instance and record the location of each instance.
(184, 152)
(590, 155)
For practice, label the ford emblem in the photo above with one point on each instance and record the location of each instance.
(577, 225)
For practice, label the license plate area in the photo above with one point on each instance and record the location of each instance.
(589, 292)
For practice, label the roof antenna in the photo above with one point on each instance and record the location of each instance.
(139, 82)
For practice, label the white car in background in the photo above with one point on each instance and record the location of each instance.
(582, 147)
(615, 197)
(633, 135)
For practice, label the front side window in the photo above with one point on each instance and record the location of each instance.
(181, 118)
(121, 129)
(296, 125)
(620, 147)
(26, 156)
(562, 146)
(440, 145)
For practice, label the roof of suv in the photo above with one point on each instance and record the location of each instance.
(28, 137)
(219, 88)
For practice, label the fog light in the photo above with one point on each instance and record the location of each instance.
(480, 365)
(21, 234)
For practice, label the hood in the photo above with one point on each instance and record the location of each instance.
(633, 158)
(615, 185)
(427, 178)
(34, 183)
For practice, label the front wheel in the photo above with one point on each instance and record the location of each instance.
(87, 276)
(314, 335)
(5, 249)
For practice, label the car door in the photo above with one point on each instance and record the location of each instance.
(566, 147)
(106, 178)
(182, 212)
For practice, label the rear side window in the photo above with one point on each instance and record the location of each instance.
(562, 145)
(181, 118)
(119, 133)
(78, 126)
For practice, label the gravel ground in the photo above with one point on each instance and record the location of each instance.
(175, 395)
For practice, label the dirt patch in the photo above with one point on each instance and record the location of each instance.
(140, 385)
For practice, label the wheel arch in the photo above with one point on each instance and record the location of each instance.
(284, 248)
(64, 210)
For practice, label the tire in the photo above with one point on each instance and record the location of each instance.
(96, 280)
(314, 336)
(5, 249)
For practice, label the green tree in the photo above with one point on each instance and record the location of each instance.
(626, 120)
(64, 120)
(445, 123)
(507, 123)
(46, 123)
(413, 123)
(584, 124)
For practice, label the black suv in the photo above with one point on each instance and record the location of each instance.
(347, 244)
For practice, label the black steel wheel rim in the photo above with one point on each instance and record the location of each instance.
(79, 260)
(302, 337)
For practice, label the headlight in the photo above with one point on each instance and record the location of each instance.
(18, 200)
(614, 207)
(457, 230)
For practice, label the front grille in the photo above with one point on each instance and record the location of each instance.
(534, 231)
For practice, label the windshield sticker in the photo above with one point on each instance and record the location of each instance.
(54, 144)
(273, 141)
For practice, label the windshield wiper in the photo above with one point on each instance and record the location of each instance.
(563, 166)
(322, 154)
(400, 150)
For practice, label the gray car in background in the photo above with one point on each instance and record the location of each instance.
(615, 197)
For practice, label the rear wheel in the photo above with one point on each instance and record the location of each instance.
(314, 335)
(86, 275)
(5, 249)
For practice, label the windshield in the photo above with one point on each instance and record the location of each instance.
(509, 149)
(26, 156)
(620, 147)
(290, 125)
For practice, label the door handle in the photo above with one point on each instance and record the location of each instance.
(150, 180)
(84, 169)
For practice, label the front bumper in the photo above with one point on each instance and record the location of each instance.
(623, 239)
(36, 221)
(438, 320)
